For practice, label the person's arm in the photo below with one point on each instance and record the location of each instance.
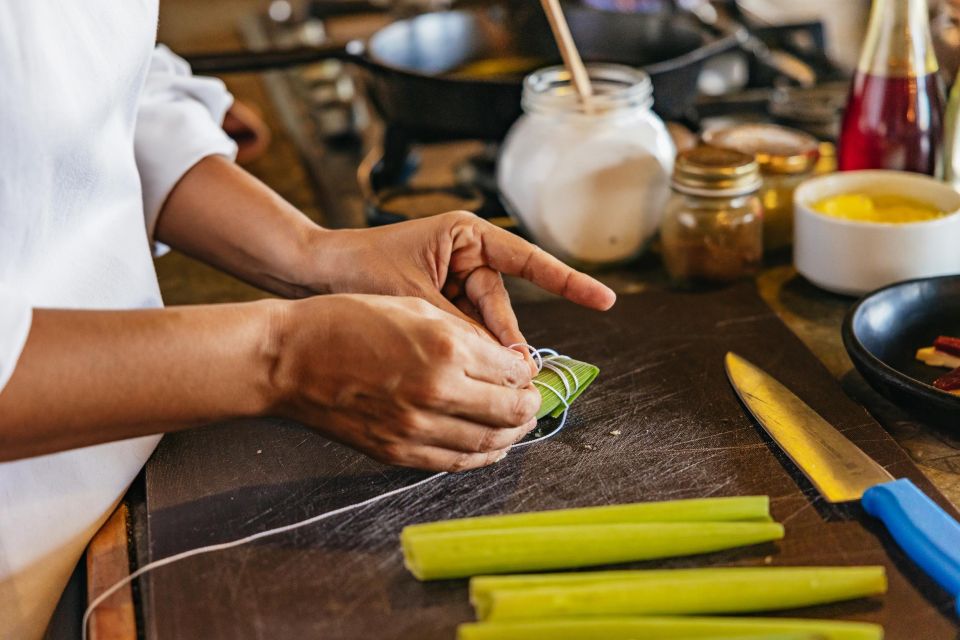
(393, 377)
(220, 214)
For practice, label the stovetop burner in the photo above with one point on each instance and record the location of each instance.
(401, 181)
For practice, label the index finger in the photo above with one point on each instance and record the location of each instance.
(515, 256)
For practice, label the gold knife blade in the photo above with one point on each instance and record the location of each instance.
(839, 469)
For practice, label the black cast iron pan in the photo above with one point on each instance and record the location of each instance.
(883, 331)
(413, 64)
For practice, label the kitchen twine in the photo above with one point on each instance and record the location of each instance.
(543, 358)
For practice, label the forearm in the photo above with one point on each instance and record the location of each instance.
(86, 377)
(220, 214)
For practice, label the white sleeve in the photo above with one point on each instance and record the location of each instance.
(178, 124)
(16, 316)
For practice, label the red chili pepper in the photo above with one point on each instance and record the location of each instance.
(949, 381)
(947, 345)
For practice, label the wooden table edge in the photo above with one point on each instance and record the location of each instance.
(108, 561)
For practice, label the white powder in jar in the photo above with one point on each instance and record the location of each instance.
(588, 190)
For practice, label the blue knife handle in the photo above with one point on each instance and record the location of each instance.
(924, 531)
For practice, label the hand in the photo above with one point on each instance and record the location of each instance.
(245, 125)
(400, 380)
(452, 260)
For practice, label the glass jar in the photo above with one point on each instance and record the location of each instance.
(786, 157)
(589, 187)
(712, 231)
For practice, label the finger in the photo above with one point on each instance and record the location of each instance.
(487, 361)
(484, 288)
(437, 459)
(470, 310)
(514, 256)
(476, 325)
(489, 404)
(464, 436)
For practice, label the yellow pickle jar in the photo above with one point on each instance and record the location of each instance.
(712, 231)
(786, 157)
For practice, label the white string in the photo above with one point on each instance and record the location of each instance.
(543, 358)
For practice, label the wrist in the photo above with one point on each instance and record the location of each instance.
(315, 264)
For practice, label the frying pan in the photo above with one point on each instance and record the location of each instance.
(412, 64)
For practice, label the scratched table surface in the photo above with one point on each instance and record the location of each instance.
(661, 422)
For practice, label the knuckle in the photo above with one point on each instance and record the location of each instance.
(460, 462)
(392, 453)
(431, 391)
(408, 425)
(518, 374)
(459, 216)
(444, 345)
(524, 408)
(488, 441)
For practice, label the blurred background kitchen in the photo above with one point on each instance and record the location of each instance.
(370, 112)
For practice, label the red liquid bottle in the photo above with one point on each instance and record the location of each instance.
(894, 115)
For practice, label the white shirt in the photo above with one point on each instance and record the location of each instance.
(96, 127)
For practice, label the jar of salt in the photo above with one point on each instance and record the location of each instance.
(588, 185)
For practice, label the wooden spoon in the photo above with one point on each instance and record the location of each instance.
(568, 49)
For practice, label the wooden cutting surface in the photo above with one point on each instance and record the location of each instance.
(661, 422)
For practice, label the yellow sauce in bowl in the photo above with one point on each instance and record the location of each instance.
(894, 209)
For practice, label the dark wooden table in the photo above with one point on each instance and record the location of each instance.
(660, 423)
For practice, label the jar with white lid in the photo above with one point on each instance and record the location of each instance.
(590, 187)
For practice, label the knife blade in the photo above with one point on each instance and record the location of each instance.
(842, 472)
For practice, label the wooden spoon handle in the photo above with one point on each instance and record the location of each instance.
(568, 49)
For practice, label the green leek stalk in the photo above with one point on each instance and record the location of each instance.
(734, 509)
(667, 628)
(460, 554)
(673, 592)
(553, 404)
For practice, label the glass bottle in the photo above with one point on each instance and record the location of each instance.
(951, 145)
(894, 114)
(712, 231)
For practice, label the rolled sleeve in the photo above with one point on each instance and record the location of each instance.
(16, 315)
(178, 124)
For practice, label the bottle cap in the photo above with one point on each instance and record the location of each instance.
(715, 172)
(777, 149)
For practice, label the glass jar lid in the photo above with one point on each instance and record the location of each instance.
(715, 172)
(777, 149)
(615, 88)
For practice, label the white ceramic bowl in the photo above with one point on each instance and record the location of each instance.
(852, 258)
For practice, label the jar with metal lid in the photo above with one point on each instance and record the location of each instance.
(712, 230)
(786, 157)
(589, 186)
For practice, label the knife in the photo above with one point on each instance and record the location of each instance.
(842, 472)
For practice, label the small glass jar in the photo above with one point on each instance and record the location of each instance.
(712, 231)
(786, 157)
(588, 186)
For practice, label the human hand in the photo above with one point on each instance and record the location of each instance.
(245, 124)
(454, 261)
(400, 380)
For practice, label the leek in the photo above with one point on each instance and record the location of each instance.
(459, 554)
(671, 592)
(667, 628)
(733, 509)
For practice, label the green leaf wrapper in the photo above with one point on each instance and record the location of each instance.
(666, 628)
(460, 554)
(670, 592)
(552, 404)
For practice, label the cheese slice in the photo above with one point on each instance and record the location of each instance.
(936, 358)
